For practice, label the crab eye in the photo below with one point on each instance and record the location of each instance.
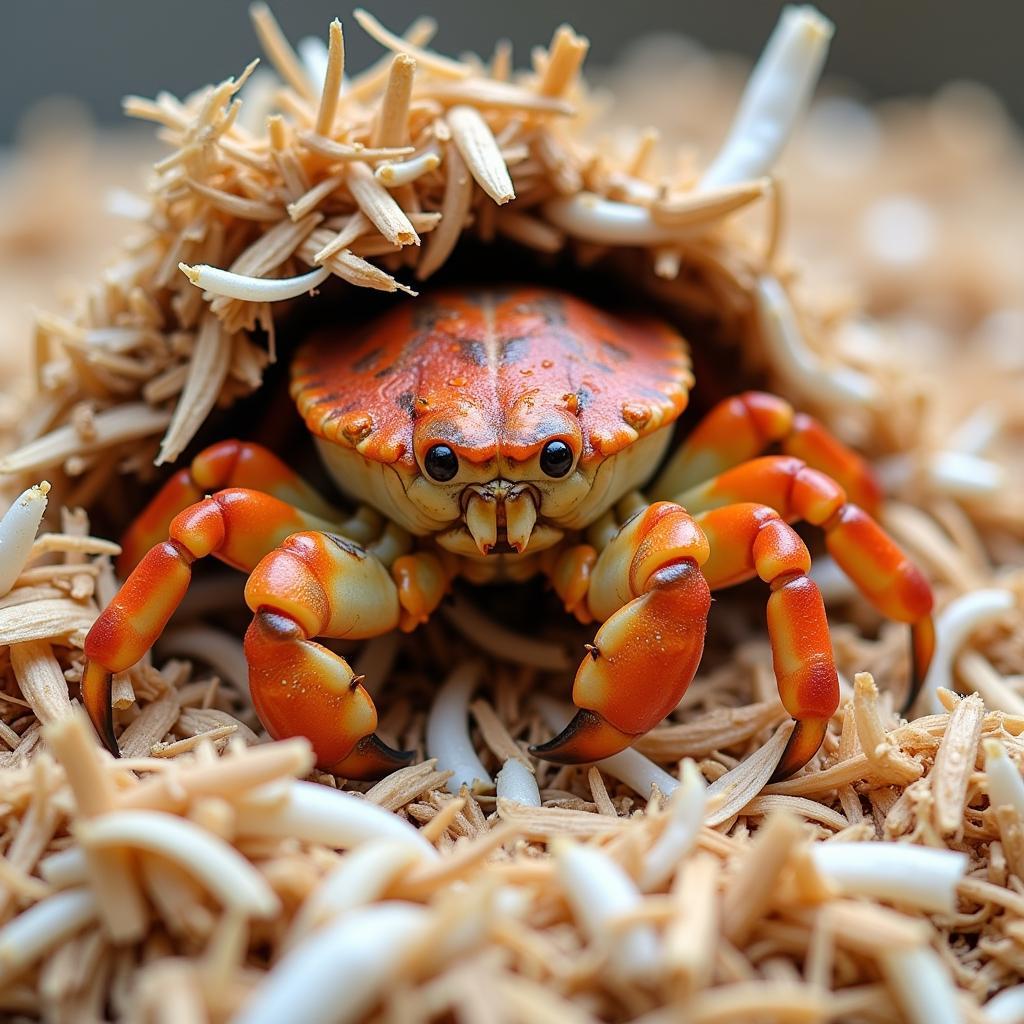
(556, 458)
(441, 463)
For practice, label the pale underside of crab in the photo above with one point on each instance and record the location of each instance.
(499, 434)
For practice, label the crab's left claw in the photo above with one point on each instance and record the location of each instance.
(648, 587)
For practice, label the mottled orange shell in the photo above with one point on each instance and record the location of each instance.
(492, 371)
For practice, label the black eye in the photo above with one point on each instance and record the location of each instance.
(441, 463)
(556, 458)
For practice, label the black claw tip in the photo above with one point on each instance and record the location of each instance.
(372, 758)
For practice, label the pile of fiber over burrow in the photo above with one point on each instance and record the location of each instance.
(211, 875)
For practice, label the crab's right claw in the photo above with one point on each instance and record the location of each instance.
(319, 585)
(237, 525)
(301, 688)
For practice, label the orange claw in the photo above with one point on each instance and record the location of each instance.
(742, 427)
(648, 588)
(300, 688)
(319, 584)
(749, 539)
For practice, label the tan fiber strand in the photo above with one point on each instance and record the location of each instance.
(332, 80)
(391, 128)
(955, 762)
(342, 151)
(480, 151)
(235, 205)
(433, 62)
(279, 50)
(379, 206)
(123, 423)
(496, 95)
(454, 210)
(47, 618)
(41, 680)
(112, 872)
(754, 886)
(309, 201)
(210, 360)
(884, 755)
(356, 225)
(565, 57)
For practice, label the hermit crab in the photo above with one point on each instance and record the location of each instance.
(495, 434)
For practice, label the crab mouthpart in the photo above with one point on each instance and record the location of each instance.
(482, 521)
(501, 522)
(520, 519)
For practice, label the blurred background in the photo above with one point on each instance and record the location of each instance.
(98, 50)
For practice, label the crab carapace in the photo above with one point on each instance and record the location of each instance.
(497, 434)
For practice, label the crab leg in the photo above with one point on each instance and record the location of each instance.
(225, 464)
(422, 580)
(742, 427)
(569, 570)
(238, 526)
(864, 551)
(648, 590)
(748, 540)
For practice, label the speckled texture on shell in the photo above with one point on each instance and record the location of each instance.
(492, 371)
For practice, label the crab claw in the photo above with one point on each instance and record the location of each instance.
(588, 737)
(372, 758)
(648, 648)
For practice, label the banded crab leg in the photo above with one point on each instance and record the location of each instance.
(862, 549)
(647, 587)
(421, 578)
(237, 525)
(314, 582)
(750, 540)
(742, 427)
(226, 464)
